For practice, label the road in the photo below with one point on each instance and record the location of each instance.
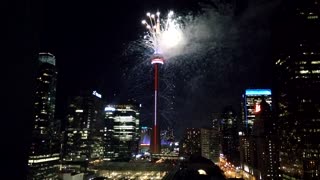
(231, 171)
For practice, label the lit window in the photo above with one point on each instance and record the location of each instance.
(279, 61)
(312, 17)
(304, 72)
(315, 62)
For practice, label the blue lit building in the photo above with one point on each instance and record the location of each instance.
(251, 106)
(145, 136)
(252, 99)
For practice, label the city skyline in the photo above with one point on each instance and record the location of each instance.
(230, 47)
(87, 61)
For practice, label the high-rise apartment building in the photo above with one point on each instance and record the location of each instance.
(202, 141)
(210, 147)
(191, 142)
(44, 153)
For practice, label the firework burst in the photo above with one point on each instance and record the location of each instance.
(164, 35)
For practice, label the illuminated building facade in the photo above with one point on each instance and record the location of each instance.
(297, 95)
(252, 99)
(84, 131)
(44, 153)
(250, 107)
(229, 135)
(264, 152)
(145, 136)
(210, 147)
(190, 143)
(167, 139)
(204, 141)
(122, 128)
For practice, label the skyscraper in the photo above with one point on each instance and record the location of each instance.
(297, 93)
(252, 99)
(84, 131)
(191, 142)
(229, 135)
(250, 107)
(45, 147)
(122, 131)
(201, 141)
(210, 147)
(264, 152)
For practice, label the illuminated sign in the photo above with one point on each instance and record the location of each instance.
(258, 92)
(258, 108)
(79, 110)
(96, 94)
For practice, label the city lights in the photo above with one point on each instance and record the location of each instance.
(235, 91)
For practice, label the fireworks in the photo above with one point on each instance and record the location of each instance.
(164, 36)
(196, 47)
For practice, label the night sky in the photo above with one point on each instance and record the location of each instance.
(89, 40)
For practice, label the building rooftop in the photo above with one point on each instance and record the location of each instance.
(46, 57)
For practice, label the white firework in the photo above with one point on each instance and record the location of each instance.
(164, 36)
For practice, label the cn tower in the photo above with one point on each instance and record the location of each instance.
(155, 137)
(159, 38)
